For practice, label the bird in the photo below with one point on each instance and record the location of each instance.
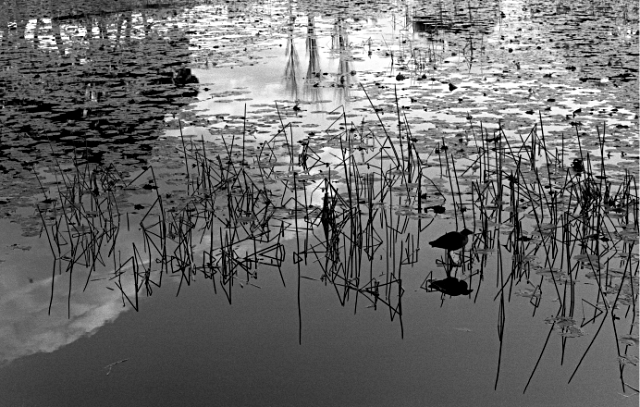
(452, 241)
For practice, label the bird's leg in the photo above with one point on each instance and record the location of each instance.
(452, 262)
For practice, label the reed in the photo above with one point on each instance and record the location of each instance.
(357, 220)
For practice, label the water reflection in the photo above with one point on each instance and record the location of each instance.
(341, 49)
(609, 56)
(91, 80)
(313, 77)
(292, 61)
(456, 16)
(27, 328)
(366, 233)
(345, 207)
(467, 24)
(451, 286)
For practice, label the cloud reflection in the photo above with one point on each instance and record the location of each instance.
(26, 328)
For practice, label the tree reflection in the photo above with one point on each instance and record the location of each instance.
(345, 76)
(313, 77)
(292, 61)
(95, 77)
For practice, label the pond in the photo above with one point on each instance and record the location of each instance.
(359, 203)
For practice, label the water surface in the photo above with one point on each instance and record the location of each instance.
(305, 305)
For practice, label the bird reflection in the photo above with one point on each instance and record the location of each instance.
(451, 286)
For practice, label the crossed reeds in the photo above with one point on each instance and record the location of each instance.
(528, 207)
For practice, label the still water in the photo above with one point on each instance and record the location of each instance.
(236, 199)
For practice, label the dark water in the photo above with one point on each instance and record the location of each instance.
(322, 318)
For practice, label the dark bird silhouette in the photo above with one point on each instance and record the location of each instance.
(452, 241)
(451, 286)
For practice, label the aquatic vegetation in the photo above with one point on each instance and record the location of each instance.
(197, 145)
(238, 212)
